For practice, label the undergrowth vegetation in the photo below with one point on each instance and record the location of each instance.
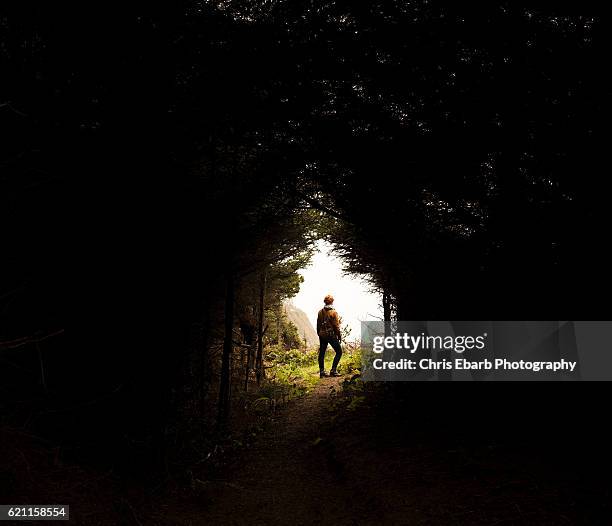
(292, 373)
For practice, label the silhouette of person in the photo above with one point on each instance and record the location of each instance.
(328, 329)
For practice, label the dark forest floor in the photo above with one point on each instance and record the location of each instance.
(373, 454)
(338, 458)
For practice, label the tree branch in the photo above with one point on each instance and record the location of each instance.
(26, 340)
(321, 207)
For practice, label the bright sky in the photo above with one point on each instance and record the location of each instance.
(353, 299)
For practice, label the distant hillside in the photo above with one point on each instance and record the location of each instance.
(299, 318)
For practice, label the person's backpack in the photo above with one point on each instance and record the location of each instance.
(327, 328)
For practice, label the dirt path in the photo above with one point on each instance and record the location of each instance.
(291, 475)
(321, 462)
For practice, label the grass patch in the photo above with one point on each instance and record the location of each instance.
(292, 374)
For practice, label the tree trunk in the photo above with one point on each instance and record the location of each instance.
(260, 323)
(386, 300)
(224, 385)
(248, 367)
(203, 355)
(279, 325)
(386, 306)
(43, 380)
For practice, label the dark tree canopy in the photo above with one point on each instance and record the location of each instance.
(449, 151)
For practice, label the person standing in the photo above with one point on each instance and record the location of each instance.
(328, 329)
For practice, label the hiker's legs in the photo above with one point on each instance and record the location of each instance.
(323, 345)
(338, 348)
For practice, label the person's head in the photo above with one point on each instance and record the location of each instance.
(328, 300)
